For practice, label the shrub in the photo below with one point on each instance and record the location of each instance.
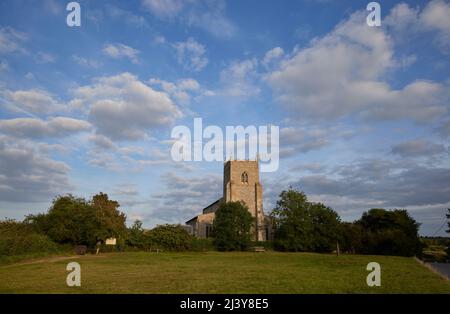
(170, 238)
(202, 245)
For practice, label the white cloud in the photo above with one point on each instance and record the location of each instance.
(191, 54)
(164, 8)
(33, 101)
(272, 54)
(406, 21)
(239, 79)
(118, 51)
(206, 15)
(37, 128)
(44, 57)
(11, 40)
(125, 16)
(123, 107)
(86, 62)
(181, 90)
(342, 73)
(28, 176)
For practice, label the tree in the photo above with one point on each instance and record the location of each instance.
(352, 237)
(232, 227)
(390, 232)
(76, 221)
(136, 236)
(304, 226)
(110, 221)
(292, 222)
(326, 227)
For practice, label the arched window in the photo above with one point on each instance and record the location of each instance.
(244, 177)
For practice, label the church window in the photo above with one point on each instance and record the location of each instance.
(244, 177)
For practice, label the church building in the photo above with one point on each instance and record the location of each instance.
(240, 183)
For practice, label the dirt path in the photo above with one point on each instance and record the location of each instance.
(44, 260)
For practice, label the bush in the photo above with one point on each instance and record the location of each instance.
(202, 245)
(232, 227)
(169, 238)
(27, 244)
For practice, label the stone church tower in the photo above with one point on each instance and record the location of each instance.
(241, 183)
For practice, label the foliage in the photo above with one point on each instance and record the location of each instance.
(304, 226)
(352, 237)
(170, 238)
(18, 238)
(202, 245)
(77, 221)
(136, 236)
(390, 232)
(232, 226)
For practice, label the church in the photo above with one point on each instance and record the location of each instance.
(240, 183)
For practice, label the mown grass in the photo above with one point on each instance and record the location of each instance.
(217, 272)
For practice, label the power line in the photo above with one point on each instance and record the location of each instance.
(436, 232)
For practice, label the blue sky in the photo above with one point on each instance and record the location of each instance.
(363, 111)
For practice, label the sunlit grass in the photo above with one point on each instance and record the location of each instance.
(216, 272)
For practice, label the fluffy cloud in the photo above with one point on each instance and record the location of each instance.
(118, 51)
(384, 183)
(238, 79)
(341, 74)
(86, 62)
(27, 176)
(182, 90)
(191, 54)
(296, 140)
(123, 107)
(406, 21)
(186, 191)
(164, 8)
(37, 128)
(33, 101)
(272, 54)
(416, 148)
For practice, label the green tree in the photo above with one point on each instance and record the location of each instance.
(232, 227)
(390, 232)
(326, 227)
(136, 236)
(109, 220)
(76, 221)
(292, 222)
(352, 237)
(304, 226)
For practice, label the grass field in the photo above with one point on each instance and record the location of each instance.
(215, 272)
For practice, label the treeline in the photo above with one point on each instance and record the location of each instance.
(303, 226)
(73, 221)
(298, 226)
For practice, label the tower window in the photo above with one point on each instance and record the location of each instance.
(244, 177)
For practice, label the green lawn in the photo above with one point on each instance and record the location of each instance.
(215, 272)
